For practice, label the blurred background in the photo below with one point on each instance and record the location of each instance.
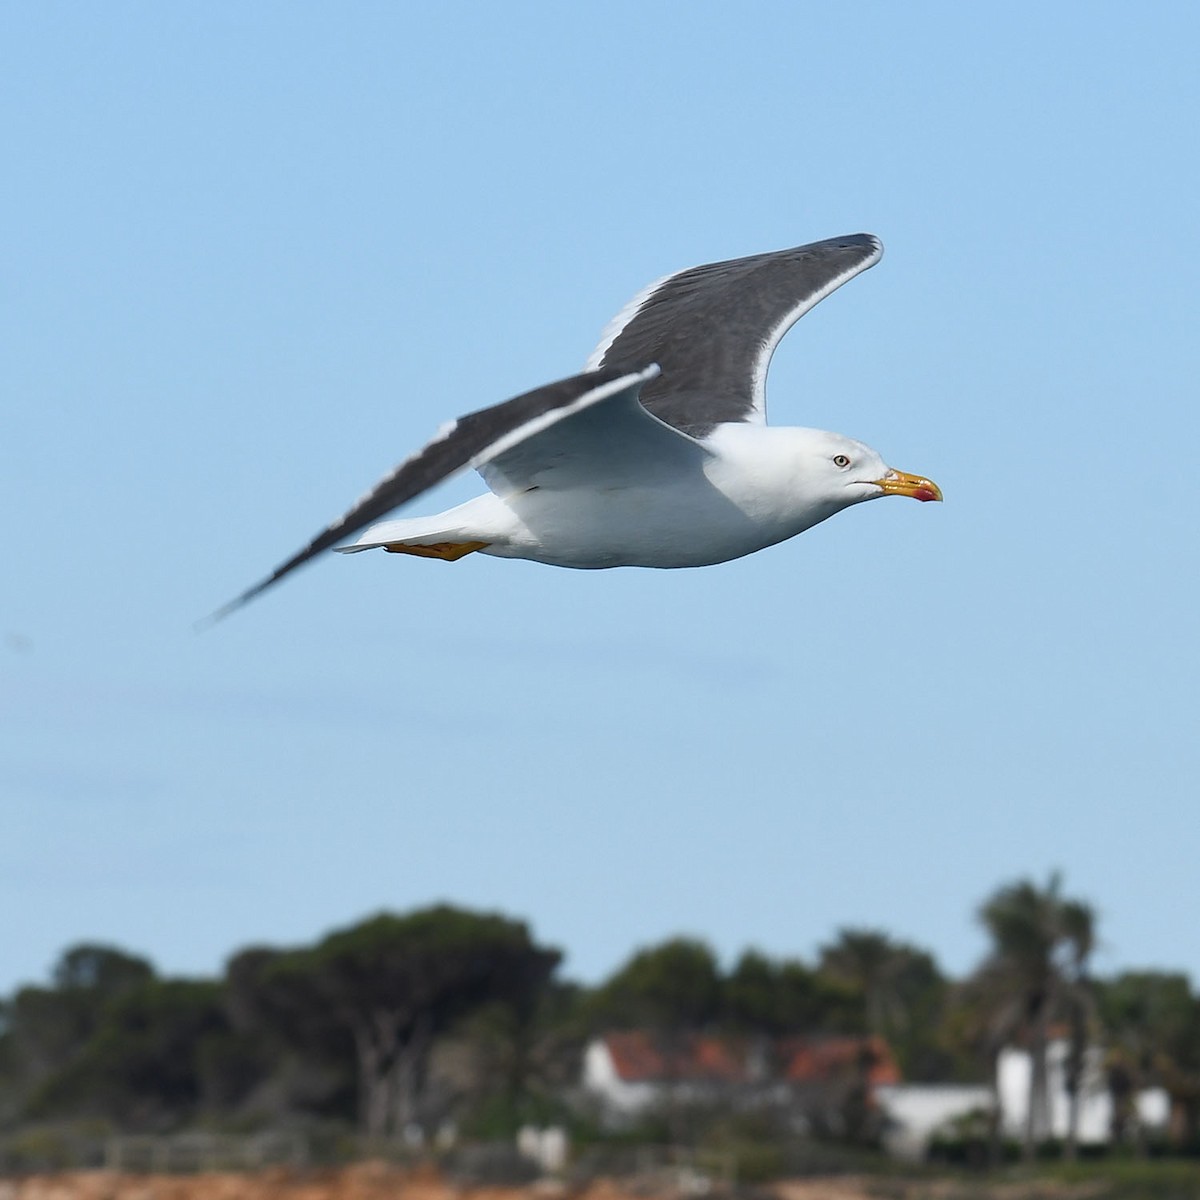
(255, 254)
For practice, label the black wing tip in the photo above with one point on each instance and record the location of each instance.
(244, 598)
(849, 241)
(218, 615)
(204, 624)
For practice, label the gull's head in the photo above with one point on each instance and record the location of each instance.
(844, 472)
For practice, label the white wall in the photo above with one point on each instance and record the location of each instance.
(1095, 1105)
(601, 1079)
(916, 1111)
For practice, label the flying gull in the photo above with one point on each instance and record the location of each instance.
(658, 454)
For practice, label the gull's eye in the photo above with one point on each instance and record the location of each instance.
(840, 460)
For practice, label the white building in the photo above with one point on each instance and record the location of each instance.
(918, 1112)
(1013, 1071)
(629, 1072)
(608, 1080)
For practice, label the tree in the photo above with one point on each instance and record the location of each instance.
(774, 998)
(384, 989)
(870, 961)
(1038, 940)
(520, 1060)
(48, 1028)
(104, 971)
(143, 1064)
(1181, 1076)
(1180, 1070)
(281, 1069)
(983, 1014)
(1078, 925)
(674, 986)
(1150, 1022)
(903, 993)
(10, 1076)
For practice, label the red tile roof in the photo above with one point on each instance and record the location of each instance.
(818, 1059)
(640, 1058)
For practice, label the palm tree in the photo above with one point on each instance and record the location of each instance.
(1078, 921)
(1041, 944)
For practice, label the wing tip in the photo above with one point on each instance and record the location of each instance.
(869, 242)
(217, 615)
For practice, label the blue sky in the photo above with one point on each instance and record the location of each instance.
(253, 255)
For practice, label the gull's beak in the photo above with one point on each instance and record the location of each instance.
(901, 483)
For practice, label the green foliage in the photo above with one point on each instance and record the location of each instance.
(1151, 1023)
(447, 1013)
(1149, 1011)
(499, 1115)
(902, 992)
(1037, 973)
(104, 972)
(143, 1064)
(521, 1062)
(678, 986)
(380, 993)
(48, 1030)
(781, 997)
(675, 985)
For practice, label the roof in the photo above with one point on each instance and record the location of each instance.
(639, 1057)
(814, 1060)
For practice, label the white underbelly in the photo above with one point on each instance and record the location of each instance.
(635, 527)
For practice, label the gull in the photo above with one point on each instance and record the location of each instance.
(658, 454)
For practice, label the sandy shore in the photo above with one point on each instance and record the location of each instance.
(378, 1181)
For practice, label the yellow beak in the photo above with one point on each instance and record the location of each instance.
(901, 483)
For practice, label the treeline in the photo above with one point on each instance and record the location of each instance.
(444, 1015)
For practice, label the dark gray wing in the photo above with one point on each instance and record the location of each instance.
(477, 437)
(713, 329)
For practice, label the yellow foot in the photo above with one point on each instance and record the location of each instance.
(447, 551)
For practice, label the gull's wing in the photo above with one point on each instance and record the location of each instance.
(713, 329)
(609, 442)
(493, 434)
